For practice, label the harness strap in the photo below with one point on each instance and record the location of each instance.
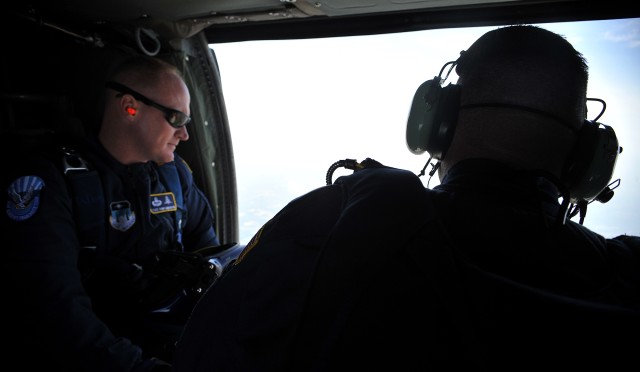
(88, 197)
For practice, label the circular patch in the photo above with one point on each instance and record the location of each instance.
(23, 197)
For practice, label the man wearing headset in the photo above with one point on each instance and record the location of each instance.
(88, 238)
(485, 271)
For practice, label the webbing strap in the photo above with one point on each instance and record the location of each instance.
(88, 205)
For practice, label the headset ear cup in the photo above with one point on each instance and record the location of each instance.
(590, 166)
(432, 118)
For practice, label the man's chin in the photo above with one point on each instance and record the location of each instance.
(168, 158)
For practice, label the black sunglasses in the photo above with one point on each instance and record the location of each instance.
(175, 118)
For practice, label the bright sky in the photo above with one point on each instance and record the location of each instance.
(296, 107)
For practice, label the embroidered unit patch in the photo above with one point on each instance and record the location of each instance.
(24, 197)
(161, 203)
(122, 217)
(252, 243)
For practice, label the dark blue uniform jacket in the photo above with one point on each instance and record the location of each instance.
(53, 320)
(375, 272)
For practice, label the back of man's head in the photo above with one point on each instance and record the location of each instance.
(526, 66)
(523, 100)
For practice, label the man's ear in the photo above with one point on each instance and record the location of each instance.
(129, 105)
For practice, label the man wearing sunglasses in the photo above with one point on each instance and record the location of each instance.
(93, 236)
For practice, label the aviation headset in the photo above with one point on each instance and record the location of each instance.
(434, 114)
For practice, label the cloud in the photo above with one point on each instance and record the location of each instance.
(625, 32)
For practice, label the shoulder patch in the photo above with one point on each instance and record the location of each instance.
(252, 243)
(23, 197)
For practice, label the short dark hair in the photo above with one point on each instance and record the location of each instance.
(529, 66)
